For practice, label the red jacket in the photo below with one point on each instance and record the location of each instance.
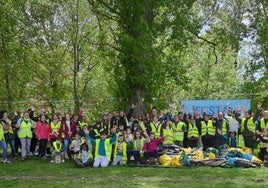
(43, 130)
(152, 145)
(66, 130)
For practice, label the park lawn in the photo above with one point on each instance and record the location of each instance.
(40, 173)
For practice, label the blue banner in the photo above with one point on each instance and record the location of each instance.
(213, 107)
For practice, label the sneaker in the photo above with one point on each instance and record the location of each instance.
(63, 161)
(30, 154)
(52, 161)
(44, 157)
(6, 161)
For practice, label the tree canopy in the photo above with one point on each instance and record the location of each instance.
(108, 54)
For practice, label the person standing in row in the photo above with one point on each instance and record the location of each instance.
(25, 125)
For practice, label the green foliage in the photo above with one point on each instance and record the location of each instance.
(103, 55)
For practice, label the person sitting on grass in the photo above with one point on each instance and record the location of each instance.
(57, 149)
(84, 158)
(75, 146)
(150, 148)
(120, 151)
(103, 148)
(138, 144)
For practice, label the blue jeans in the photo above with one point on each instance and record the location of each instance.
(11, 142)
(66, 143)
(3, 145)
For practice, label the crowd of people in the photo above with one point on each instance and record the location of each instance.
(119, 138)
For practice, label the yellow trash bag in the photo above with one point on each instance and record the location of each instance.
(164, 160)
(197, 155)
(246, 150)
(175, 161)
(211, 155)
(256, 160)
(187, 150)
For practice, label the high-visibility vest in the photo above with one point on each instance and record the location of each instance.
(89, 154)
(97, 132)
(156, 130)
(124, 151)
(10, 129)
(207, 128)
(56, 148)
(143, 128)
(192, 131)
(263, 124)
(168, 134)
(142, 141)
(55, 127)
(107, 148)
(250, 125)
(224, 128)
(82, 124)
(25, 129)
(1, 132)
(178, 133)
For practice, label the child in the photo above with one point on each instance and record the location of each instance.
(128, 135)
(232, 140)
(84, 158)
(120, 152)
(57, 149)
(150, 148)
(167, 132)
(138, 144)
(86, 136)
(120, 129)
(97, 130)
(103, 149)
(75, 146)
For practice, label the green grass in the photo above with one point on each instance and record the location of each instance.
(40, 173)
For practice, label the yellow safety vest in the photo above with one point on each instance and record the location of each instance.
(56, 148)
(263, 124)
(124, 151)
(192, 131)
(168, 134)
(224, 128)
(97, 132)
(207, 128)
(156, 130)
(89, 154)
(25, 129)
(107, 148)
(142, 141)
(250, 124)
(10, 129)
(1, 132)
(178, 133)
(55, 127)
(82, 124)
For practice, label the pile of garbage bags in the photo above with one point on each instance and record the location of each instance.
(223, 157)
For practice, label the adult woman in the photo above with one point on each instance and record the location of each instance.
(25, 124)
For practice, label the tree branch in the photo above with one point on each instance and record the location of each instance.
(207, 41)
